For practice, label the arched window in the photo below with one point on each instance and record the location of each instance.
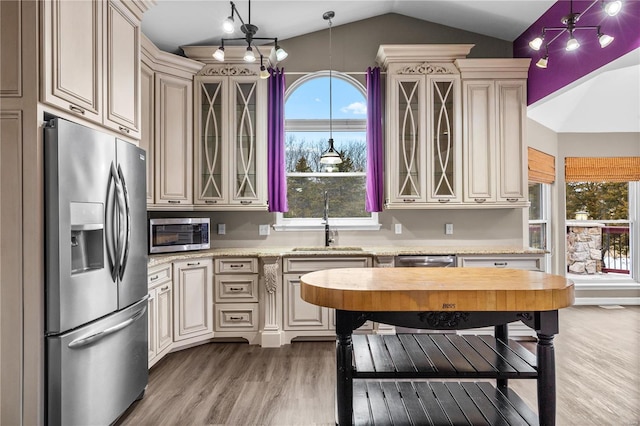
(307, 129)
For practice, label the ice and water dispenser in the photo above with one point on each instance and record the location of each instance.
(87, 237)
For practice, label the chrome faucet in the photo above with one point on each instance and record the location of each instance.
(325, 217)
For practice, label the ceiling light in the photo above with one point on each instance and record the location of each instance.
(572, 44)
(543, 62)
(536, 43)
(612, 7)
(249, 30)
(570, 25)
(219, 54)
(330, 156)
(605, 40)
(264, 74)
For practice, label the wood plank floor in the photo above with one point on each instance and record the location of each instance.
(597, 362)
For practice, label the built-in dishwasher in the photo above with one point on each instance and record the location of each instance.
(424, 261)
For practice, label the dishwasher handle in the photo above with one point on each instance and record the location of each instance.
(425, 261)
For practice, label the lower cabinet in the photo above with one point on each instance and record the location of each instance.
(302, 319)
(160, 308)
(193, 299)
(236, 298)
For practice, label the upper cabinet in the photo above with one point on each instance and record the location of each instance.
(455, 128)
(91, 61)
(230, 156)
(167, 123)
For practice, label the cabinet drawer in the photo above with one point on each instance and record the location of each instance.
(232, 317)
(236, 288)
(241, 265)
(310, 264)
(527, 263)
(159, 275)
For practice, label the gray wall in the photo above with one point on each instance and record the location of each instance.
(354, 48)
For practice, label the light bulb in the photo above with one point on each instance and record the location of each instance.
(249, 56)
(228, 25)
(572, 44)
(612, 7)
(219, 54)
(264, 74)
(543, 62)
(536, 43)
(605, 40)
(281, 55)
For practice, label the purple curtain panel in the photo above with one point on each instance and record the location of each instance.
(375, 151)
(276, 179)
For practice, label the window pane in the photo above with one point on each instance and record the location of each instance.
(311, 100)
(535, 197)
(303, 151)
(306, 196)
(601, 200)
(538, 235)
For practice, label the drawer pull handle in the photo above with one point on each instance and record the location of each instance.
(193, 264)
(500, 264)
(512, 200)
(210, 202)
(153, 278)
(444, 200)
(76, 109)
(124, 129)
(408, 200)
(246, 202)
(236, 318)
(174, 201)
(165, 288)
(236, 289)
(480, 200)
(235, 265)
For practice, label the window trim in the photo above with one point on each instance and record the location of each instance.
(370, 223)
(545, 213)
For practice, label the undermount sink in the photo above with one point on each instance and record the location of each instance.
(342, 248)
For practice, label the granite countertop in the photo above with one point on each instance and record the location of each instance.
(157, 259)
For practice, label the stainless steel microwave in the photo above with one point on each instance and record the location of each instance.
(178, 234)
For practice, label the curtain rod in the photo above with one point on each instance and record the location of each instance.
(342, 72)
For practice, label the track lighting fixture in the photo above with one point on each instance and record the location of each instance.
(249, 31)
(569, 21)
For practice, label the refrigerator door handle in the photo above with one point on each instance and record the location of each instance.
(120, 212)
(84, 341)
(127, 228)
(110, 226)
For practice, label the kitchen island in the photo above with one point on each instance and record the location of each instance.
(449, 299)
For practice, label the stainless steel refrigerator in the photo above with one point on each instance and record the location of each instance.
(96, 275)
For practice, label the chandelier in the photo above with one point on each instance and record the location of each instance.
(249, 30)
(570, 22)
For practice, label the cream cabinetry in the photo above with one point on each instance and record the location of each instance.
(236, 297)
(167, 122)
(494, 113)
(424, 140)
(160, 309)
(302, 318)
(230, 148)
(91, 62)
(193, 299)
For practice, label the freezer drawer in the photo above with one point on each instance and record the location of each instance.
(95, 372)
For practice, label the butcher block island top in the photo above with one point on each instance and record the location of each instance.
(436, 289)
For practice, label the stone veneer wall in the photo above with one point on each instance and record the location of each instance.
(584, 247)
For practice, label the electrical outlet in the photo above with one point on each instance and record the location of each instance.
(264, 229)
(398, 228)
(222, 229)
(448, 228)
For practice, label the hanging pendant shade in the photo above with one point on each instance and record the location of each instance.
(330, 156)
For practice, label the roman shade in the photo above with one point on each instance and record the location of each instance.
(602, 169)
(542, 166)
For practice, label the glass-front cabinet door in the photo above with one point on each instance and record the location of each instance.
(444, 165)
(211, 170)
(231, 144)
(248, 145)
(407, 147)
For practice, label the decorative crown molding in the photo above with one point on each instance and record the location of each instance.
(427, 68)
(227, 70)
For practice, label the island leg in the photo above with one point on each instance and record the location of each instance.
(501, 333)
(344, 378)
(548, 327)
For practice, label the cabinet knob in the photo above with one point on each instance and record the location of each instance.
(76, 109)
(124, 129)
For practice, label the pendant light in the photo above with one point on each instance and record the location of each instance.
(330, 157)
